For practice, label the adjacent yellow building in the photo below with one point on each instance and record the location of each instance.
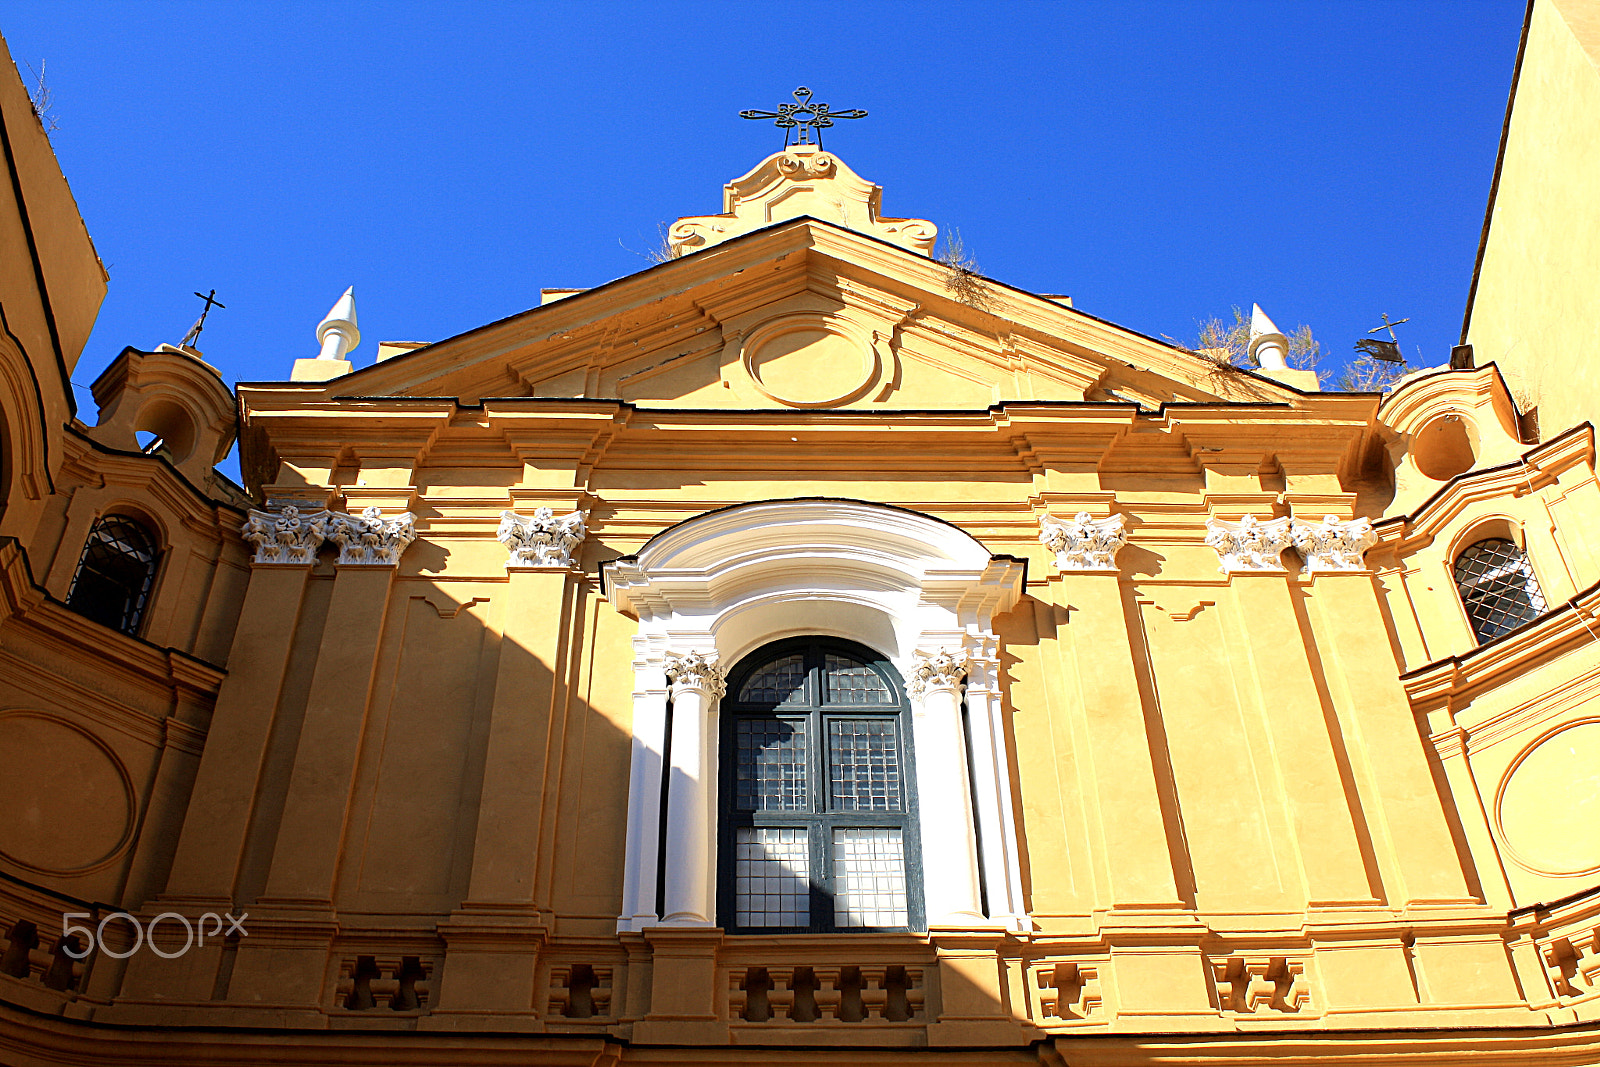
(802, 650)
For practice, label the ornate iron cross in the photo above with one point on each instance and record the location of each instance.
(803, 119)
(194, 331)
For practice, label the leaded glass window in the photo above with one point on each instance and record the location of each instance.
(1497, 587)
(112, 582)
(819, 822)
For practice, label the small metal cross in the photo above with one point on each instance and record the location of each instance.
(803, 119)
(199, 324)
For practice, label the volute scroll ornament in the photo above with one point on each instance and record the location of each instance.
(1249, 545)
(1332, 545)
(696, 671)
(285, 537)
(369, 539)
(542, 539)
(1084, 543)
(936, 670)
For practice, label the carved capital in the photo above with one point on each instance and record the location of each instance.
(1084, 543)
(286, 536)
(1249, 544)
(542, 539)
(937, 670)
(369, 539)
(1332, 545)
(696, 671)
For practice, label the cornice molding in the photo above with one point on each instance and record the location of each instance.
(1537, 468)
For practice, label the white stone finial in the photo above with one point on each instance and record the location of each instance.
(1084, 544)
(1268, 346)
(337, 332)
(1333, 545)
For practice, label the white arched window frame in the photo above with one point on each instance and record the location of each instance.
(718, 586)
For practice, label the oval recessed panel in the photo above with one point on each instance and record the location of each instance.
(810, 367)
(1549, 806)
(67, 804)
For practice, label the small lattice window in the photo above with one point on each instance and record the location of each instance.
(114, 574)
(1497, 587)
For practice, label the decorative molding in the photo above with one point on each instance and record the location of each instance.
(800, 180)
(936, 670)
(696, 671)
(286, 536)
(1249, 544)
(369, 539)
(542, 539)
(1333, 545)
(1248, 984)
(1084, 543)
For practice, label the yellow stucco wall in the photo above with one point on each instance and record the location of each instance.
(1537, 299)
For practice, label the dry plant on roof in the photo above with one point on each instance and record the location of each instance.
(961, 275)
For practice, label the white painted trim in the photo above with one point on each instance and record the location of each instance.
(730, 581)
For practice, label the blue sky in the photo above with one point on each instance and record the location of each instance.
(1159, 162)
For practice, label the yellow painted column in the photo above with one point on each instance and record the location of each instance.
(311, 833)
(1136, 857)
(206, 865)
(1416, 849)
(1309, 777)
(1127, 799)
(505, 850)
(493, 939)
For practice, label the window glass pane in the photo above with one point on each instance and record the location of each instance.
(853, 682)
(783, 681)
(770, 765)
(864, 765)
(114, 574)
(869, 878)
(1497, 587)
(772, 876)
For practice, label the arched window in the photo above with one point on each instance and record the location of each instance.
(1497, 587)
(819, 829)
(114, 574)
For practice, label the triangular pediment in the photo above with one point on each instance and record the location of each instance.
(807, 315)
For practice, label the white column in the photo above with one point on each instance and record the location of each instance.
(644, 793)
(697, 684)
(944, 794)
(1002, 872)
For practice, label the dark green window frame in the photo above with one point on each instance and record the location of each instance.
(848, 793)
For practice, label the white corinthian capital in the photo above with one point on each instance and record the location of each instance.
(1249, 544)
(542, 539)
(937, 670)
(1084, 544)
(369, 539)
(285, 536)
(1332, 545)
(696, 671)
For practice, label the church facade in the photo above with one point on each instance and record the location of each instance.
(801, 650)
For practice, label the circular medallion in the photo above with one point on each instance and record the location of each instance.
(1549, 802)
(807, 365)
(68, 803)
